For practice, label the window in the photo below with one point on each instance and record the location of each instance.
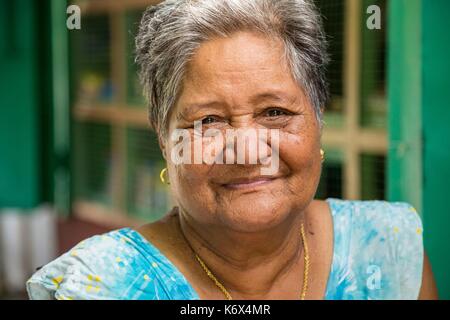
(117, 159)
(356, 117)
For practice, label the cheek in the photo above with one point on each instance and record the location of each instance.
(300, 141)
(300, 152)
(189, 183)
(300, 148)
(189, 179)
(188, 176)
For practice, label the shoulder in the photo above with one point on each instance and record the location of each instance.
(379, 248)
(116, 265)
(366, 221)
(369, 217)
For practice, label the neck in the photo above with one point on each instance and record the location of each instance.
(248, 265)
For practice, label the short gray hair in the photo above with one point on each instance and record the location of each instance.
(171, 32)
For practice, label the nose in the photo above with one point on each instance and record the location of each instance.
(247, 146)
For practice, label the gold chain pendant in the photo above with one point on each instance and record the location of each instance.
(305, 272)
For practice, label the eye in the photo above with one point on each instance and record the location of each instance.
(209, 120)
(275, 112)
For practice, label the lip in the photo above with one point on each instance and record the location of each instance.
(243, 184)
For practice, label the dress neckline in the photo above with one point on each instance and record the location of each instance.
(153, 250)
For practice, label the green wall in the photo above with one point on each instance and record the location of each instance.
(19, 105)
(404, 91)
(419, 124)
(34, 104)
(436, 135)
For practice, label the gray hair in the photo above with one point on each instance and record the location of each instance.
(171, 32)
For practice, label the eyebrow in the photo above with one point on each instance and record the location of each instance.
(192, 107)
(270, 96)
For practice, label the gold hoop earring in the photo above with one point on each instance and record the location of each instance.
(161, 176)
(322, 155)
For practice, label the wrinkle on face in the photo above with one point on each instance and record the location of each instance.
(237, 79)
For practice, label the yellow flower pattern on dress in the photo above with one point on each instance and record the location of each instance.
(57, 281)
(368, 236)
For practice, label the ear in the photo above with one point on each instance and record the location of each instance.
(322, 110)
(322, 121)
(162, 146)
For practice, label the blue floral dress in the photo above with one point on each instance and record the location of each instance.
(377, 254)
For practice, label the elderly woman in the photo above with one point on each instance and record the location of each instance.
(238, 232)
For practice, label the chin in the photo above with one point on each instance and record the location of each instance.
(254, 216)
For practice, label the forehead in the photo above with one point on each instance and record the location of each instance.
(236, 64)
(247, 50)
(243, 59)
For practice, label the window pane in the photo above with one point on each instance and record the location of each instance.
(134, 89)
(91, 61)
(331, 180)
(334, 23)
(93, 162)
(373, 69)
(373, 169)
(147, 197)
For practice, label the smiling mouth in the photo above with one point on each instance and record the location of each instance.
(248, 184)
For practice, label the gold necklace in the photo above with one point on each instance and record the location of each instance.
(305, 272)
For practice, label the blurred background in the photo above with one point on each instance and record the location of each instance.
(77, 157)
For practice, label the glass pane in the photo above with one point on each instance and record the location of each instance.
(91, 61)
(134, 89)
(147, 197)
(373, 170)
(331, 180)
(334, 23)
(93, 162)
(373, 69)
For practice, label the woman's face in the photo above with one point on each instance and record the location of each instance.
(243, 82)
